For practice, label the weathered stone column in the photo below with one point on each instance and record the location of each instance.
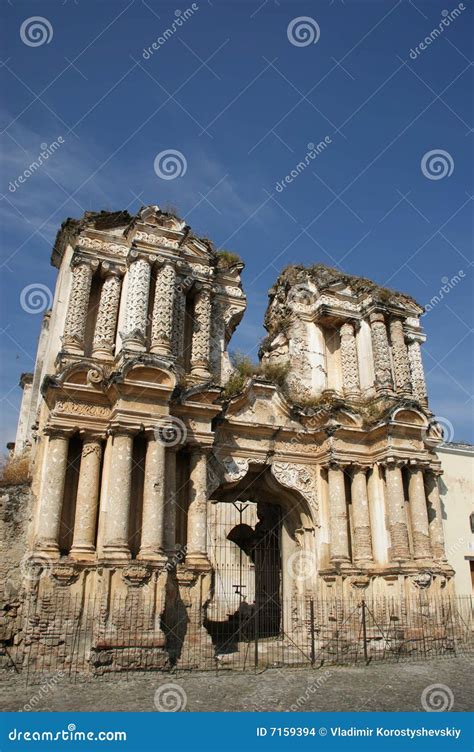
(418, 514)
(397, 519)
(118, 503)
(87, 499)
(381, 351)
(52, 494)
(78, 305)
(350, 365)
(417, 370)
(362, 543)
(134, 333)
(170, 501)
(196, 548)
(163, 309)
(202, 333)
(400, 356)
(339, 542)
(106, 323)
(152, 539)
(435, 517)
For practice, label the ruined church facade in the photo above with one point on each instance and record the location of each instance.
(166, 480)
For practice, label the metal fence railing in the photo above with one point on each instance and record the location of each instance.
(78, 635)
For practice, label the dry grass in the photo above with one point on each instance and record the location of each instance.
(15, 471)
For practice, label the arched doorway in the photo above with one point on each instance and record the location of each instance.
(255, 527)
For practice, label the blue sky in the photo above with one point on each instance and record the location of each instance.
(232, 92)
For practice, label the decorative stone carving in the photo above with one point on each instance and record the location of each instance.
(381, 350)
(179, 313)
(400, 356)
(202, 332)
(136, 575)
(152, 239)
(416, 369)
(163, 308)
(94, 244)
(76, 317)
(350, 366)
(302, 478)
(134, 332)
(236, 468)
(106, 323)
(64, 573)
(82, 408)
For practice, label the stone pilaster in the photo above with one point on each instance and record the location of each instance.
(117, 508)
(400, 356)
(416, 369)
(435, 517)
(163, 309)
(418, 514)
(202, 333)
(106, 324)
(397, 519)
(339, 542)
(362, 543)
(78, 305)
(196, 548)
(350, 365)
(170, 501)
(134, 333)
(87, 499)
(52, 494)
(381, 352)
(152, 538)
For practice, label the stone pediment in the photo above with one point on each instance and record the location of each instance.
(261, 404)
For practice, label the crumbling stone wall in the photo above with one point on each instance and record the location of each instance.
(16, 504)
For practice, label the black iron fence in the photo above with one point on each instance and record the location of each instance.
(77, 635)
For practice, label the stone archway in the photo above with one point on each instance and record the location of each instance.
(258, 529)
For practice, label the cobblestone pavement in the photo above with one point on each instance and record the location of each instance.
(382, 687)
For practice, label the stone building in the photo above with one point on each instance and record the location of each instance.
(169, 485)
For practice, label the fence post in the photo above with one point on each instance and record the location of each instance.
(256, 634)
(313, 651)
(364, 631)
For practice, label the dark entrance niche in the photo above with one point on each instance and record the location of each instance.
(261, 614)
